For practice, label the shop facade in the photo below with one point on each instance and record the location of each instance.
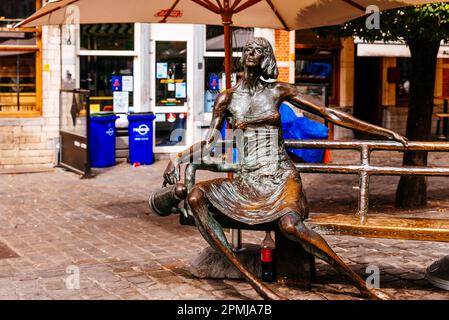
(369, 80)
(28, 112)
(172, 70)
(386, 69)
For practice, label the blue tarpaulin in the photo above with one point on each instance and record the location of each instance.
(302, 128)
(297, 128)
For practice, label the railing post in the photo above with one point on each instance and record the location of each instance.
(236, 236)
(364, 181)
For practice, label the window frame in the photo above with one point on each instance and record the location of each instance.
(207, 116)
(111, 53)
(37, 48)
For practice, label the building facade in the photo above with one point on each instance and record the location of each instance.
(370, 80)
(172, 70)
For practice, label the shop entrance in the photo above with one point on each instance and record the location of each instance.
(171, 76)
(367, 89)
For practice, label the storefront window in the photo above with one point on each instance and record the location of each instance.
(312, 74)
(110, 81)
(18, 66)
(171, 73)
(171, 129)
(17, 81)
(107, 36)
(214, 81)
(11, 10)
(317, 64)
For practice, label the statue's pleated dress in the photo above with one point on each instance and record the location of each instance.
(268, 185)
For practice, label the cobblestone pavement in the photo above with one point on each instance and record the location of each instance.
(56, 223)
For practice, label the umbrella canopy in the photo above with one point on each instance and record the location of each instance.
(276, 14)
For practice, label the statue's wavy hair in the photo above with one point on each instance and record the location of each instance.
(269, 65)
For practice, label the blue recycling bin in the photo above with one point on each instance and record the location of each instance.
(102, 140)
(140, 130)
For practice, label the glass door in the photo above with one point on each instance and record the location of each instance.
(170, 95)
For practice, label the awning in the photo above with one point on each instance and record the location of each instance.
(392, 49)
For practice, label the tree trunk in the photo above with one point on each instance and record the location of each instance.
(412, 190)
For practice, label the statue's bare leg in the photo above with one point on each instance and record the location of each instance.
(213, 233)
(294, 229)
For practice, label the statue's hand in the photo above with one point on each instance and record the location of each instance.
(400, 139)
(172, 172)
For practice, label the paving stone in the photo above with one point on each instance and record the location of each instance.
(54, 220)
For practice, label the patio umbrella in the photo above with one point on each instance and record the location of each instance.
(275, 14)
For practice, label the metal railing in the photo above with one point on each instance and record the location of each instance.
(365, 169)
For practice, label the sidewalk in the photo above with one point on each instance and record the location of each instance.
(56, 223)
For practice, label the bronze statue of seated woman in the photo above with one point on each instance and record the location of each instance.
(267, 187)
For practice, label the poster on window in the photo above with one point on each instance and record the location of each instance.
(127, 83)
(161, 70)
(116, 83)
(180, 90)
(121, 101)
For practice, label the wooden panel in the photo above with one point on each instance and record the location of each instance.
(374, 226)
(73, 151)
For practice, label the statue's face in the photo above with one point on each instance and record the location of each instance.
(254, 55)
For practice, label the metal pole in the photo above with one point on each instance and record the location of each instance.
(364, 182)
(18, 81)
(236, 234)
(228, 53)
(87, 167)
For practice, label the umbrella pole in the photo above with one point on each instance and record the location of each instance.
(228, 53)
(236, 234)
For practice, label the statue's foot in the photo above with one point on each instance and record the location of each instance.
(376, 294)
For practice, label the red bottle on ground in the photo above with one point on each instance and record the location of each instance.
(267, 257)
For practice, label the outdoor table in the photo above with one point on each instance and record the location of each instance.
(445, 117)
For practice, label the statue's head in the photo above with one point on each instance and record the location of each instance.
(258, 52)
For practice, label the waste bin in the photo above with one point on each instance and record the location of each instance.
(140, 131)
(102, 140)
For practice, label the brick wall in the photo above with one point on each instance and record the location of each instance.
(30, 142)
(23, 142)
(282, 44)
(284, 54)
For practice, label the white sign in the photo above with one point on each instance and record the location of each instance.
(161, 70)
(121, 101)
(143, 129)
(160, 117)
(110, 132)
(180, 90)
(127, 83)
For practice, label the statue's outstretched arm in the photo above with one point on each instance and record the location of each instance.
(202, 148)
(337, 117)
